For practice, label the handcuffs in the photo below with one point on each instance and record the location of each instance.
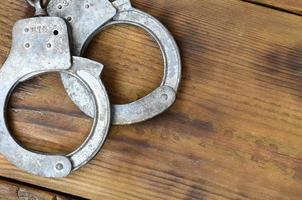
(89, 17)
(41, 44)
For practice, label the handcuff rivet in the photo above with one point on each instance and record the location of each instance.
(27, 45)
(164, 97)
(26, 30)
(48, 45)
(60, 7)
(59, 166)
(69, 19)
(87, 6)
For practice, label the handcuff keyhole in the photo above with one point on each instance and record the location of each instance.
(56, 32)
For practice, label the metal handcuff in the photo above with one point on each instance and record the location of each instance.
(40, 45)
(89, 17)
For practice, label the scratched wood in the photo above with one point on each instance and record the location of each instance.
(16, 191)
(234, 132)
(293, 6)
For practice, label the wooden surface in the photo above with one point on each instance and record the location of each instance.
(234, 132)
(17, 191)
(292, 6)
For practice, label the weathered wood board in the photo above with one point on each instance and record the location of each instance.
(293, 6)
(17, 191)
(234, 132)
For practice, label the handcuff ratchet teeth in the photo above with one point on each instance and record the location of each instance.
(89, 17)
(41, 45)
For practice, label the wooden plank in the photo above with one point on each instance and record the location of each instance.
(17, 191)
(234, 132)
(293, 6)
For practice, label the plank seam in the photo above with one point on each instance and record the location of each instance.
(41, 188)
(273, 7)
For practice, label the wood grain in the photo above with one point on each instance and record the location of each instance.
(17, 191)
(234, 132)
(292, 6)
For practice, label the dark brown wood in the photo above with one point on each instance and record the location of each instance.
(233, 133)
(17, 191)
(292, 6)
